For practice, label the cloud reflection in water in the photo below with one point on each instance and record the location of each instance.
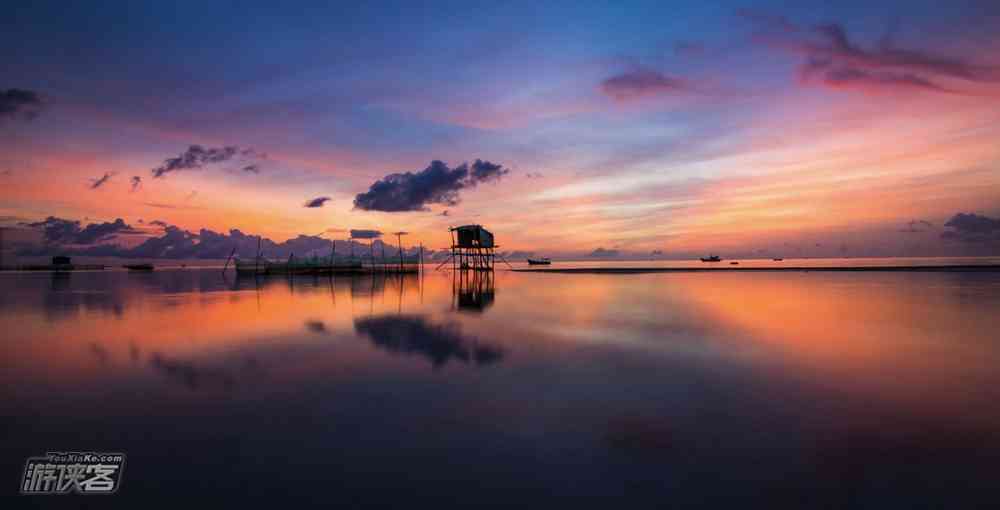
(415, 335)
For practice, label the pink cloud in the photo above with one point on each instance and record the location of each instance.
(641, 83)
(833, 60)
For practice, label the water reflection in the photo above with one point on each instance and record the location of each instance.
(698, 389)
(416, 335)
(317, 327)
(189, 374)
(473, 290)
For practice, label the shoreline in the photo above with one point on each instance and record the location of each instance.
(969, 268)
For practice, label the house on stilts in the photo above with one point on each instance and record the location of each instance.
(472, 247)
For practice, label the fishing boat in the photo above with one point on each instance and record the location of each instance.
(734, 263)
(777, 259)
(711, 258)
(542, 261)
(139, 267)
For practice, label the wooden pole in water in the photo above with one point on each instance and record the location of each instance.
(256, 260)
(399, 241)
(420, 268)
(224, 268)
(452, 248)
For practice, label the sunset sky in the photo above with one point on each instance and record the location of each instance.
(847, 128)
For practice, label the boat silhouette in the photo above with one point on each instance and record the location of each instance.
(711, 258)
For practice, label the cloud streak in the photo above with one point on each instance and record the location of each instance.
(317, 202)
(436, 184)
(101, 181)
(196, 157)
(641, 83)
(19, 103)
(833, 60)
(365, 234)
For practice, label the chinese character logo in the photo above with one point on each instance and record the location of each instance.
(73, 473)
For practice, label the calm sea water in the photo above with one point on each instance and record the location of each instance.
(872, 390)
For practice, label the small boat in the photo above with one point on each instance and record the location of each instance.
(139, 267)
(777, 259)
(734, 263)
(543, 261)
(711, 258)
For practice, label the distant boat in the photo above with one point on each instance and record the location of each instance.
(139, 267)
(711, 258)
(734, 263)
(543, 261)
(777, 259)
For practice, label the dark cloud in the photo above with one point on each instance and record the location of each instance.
(19, 103)
(444, 213)
(838, 77)
(100, 181)
(438, 343)
(534, 175)
(833, 60)
(253, 169)
(972, 228)
(96, 232)
(436, 184)
(603, 253)
(916, 226)
(640, 83)
(317, 202)
(136, 183)
(67, 237)
(365, 234)
(59, 231)
(196, 157)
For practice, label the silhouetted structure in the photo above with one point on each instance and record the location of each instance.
(472, 247)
